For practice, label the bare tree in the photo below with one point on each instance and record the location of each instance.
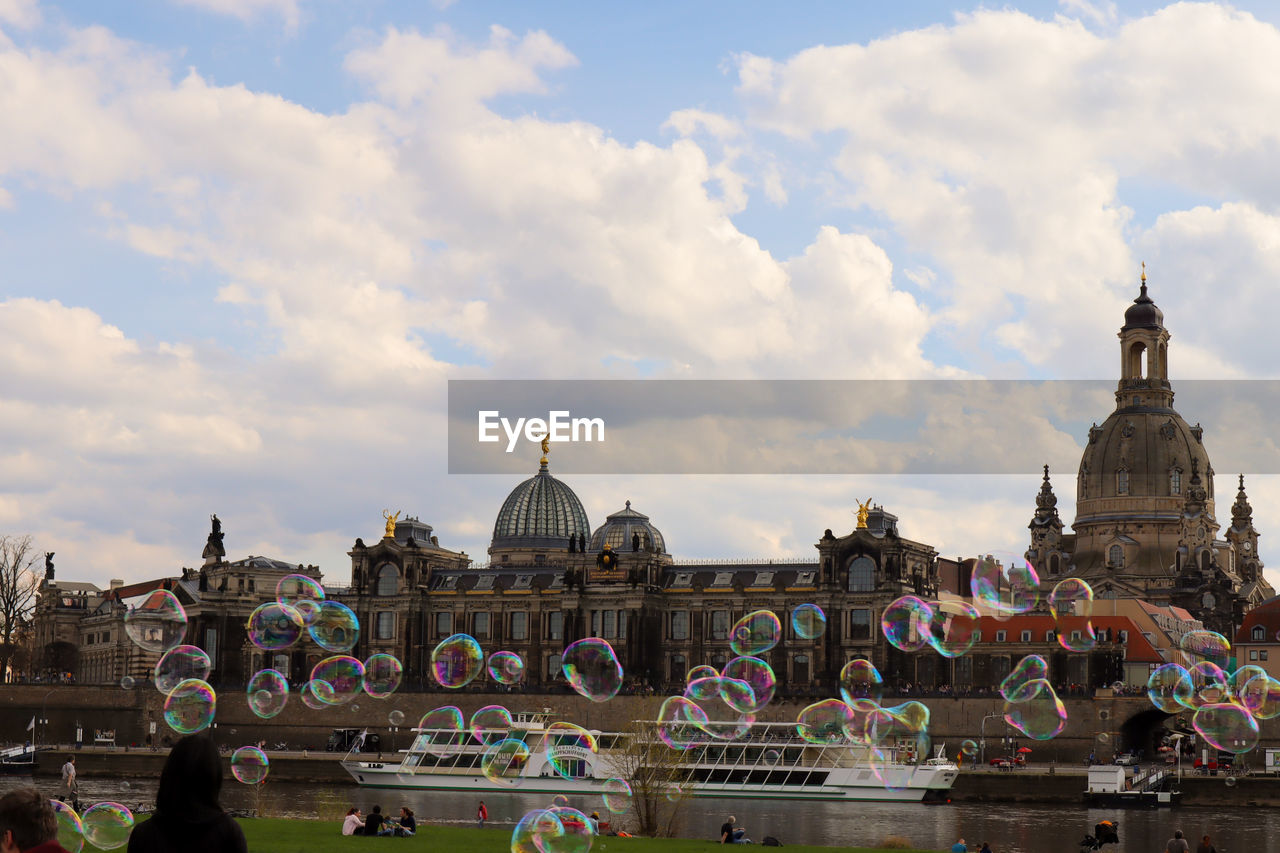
(655, 772)
(18, 583)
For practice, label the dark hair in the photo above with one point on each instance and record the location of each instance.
(191, 779)
(1177, 833)
(377, 809)
(28, 814)
(408, 811)
(353, 810)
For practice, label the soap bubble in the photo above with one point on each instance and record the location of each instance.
(1163, 687)
(772, 756)
(302, 593)
(824, 722)
(506, 668)
(309, 697)
(396, 718)
(1230, 781)
(905, 623)
(1071, 604)
(701, 689)
(456, 661)
(382, 675)
(756, 673)
(1040, 714)
(592, 669)
(274, 626)
(268, 692)
(536, 832)
(1014, 687)
(905, 727)
(702, 671)
(952, 628)
(443, 729)
(157, 623)
(1205, 645)
(755, 633)
(1004, 585)
(1226, 727)
(570, 750)
(681, 723)
(968, 748)
(70, 829)
(808, 621)
(1243, 676)
(250, 765)
(559, 800)
(337, 680)
(128, 684)
(1205, 684)
(891, 775)
(617, 795)
(503, 763)
(491, 724)
(178, 664)
(189, 708)
(107, 825)
(335, 628)
(1104, 738)
(859, 679)
(1261, 697)
(737, 694)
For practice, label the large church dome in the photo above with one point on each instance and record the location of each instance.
(541, 512)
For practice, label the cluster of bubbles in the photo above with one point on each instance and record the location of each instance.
(1225, 705)
(556, 829)
(105, 826)
(1030, 703)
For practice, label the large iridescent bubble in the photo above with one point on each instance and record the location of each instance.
(504, 762)
(1205, 645)
(758, 674)
(456, 661)
(859, 679)
(442, 729)
(569, 749)
(905, 623)
(824, 722)
(302, 593)
(1205, 684)
(1165, 684)
(1227, 727)
(681, 723)
(250, 765)
(952, 628)
(70, 829)
(592, 669)
(506, 668)
(1004, 585)
(157, 623)
(1040, 715)
(1071, 604)
(617, 795)
(1260, 696)
(1016, 685)
(274, 626)
(267, 693)
(177, 665)
(107, 825)
(491, 724)
(755, 633)
(335, 628)
(337, 680)
(382, 675)
(189, 708)
(808, 622)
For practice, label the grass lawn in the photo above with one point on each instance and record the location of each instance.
(278, 835)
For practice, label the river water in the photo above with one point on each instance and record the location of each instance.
(1009, 828)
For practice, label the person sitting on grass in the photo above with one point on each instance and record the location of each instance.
(731, 834)
(353, 824)
(408, 826)
(373, 823)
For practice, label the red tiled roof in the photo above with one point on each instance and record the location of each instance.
(1266, 614)
(1138, 649)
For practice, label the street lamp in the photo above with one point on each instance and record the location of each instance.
(982, 736)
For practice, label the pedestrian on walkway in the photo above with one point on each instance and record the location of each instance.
(1177, 844)
(482, 814)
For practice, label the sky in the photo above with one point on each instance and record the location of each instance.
(245, 244)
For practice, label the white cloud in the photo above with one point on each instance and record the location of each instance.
(249, 11)
(22, 14)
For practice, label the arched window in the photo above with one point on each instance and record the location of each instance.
(1259, 633)
(1122, 482)
(1115, 556)
(1175, 481)
(1205, 558)
(388, 582)
(1055, 565)
(862, 574)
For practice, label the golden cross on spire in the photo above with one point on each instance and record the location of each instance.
(1144, 272)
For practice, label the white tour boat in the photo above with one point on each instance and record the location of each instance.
(768, 761)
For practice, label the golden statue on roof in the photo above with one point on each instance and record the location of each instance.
(546, 448)
(391, 523)
(864, 509)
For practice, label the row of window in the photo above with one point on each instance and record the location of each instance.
(859, 625)
(1175, 482)
(480, 625)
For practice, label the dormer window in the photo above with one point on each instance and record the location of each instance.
(1259, 633)
(1115, 557)
(723, 579)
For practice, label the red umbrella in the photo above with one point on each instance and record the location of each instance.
(1024, 749)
